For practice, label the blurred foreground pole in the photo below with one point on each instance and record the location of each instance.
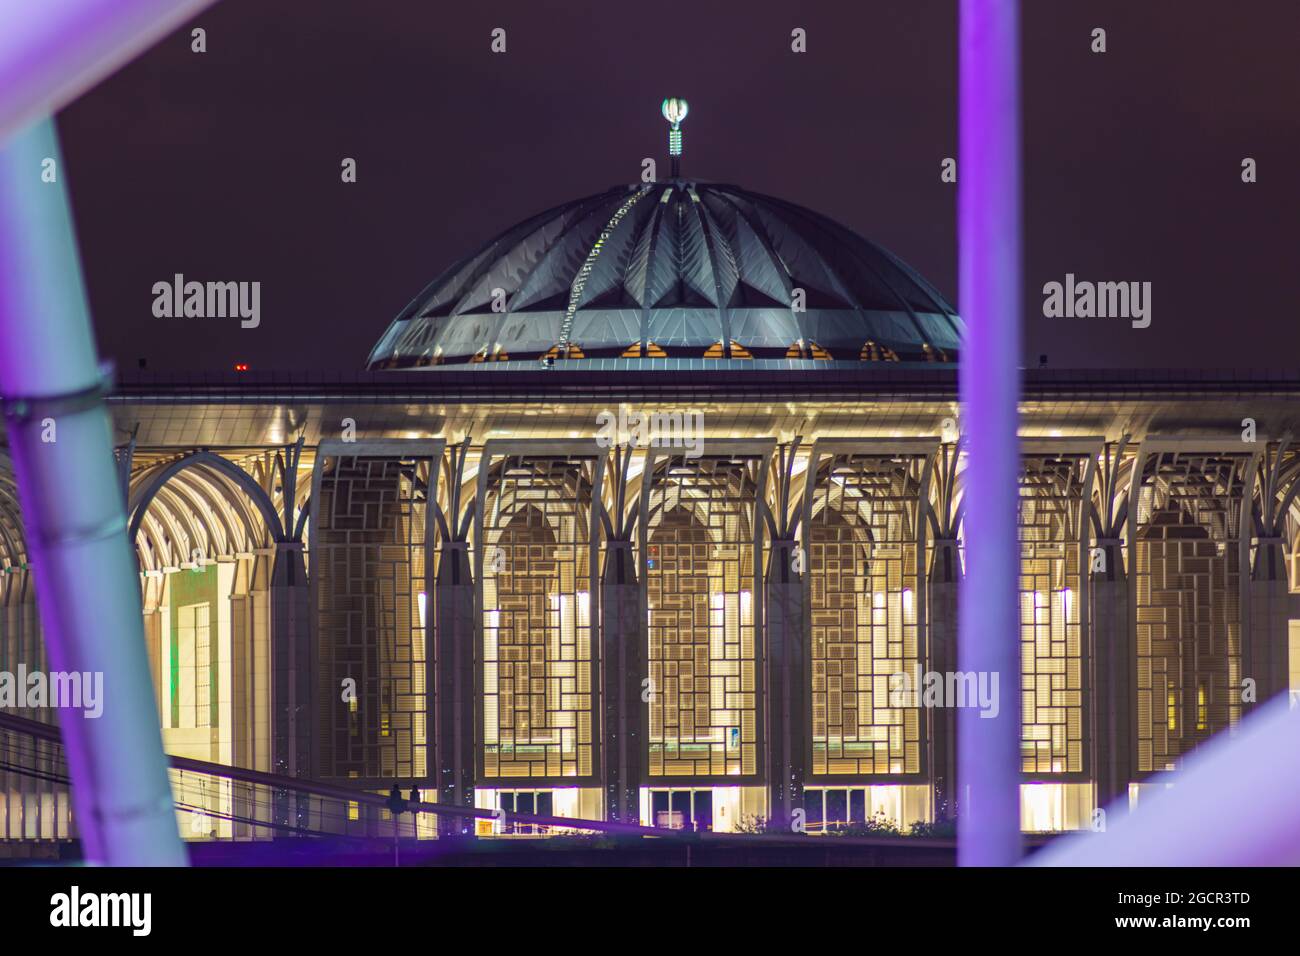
(988, 241)
(52, 51)
(86, 581)
(1233, 804)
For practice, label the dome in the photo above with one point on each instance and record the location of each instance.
(673, 270)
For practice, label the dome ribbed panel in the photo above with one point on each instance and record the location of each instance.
(665, 264)
(609, 268)
(870, 285)
(696, 265)
(692, 328)
(638, 266)
(721, 255)
(876, 279)
(764, 277)
(566, 256)
(441, 296)
(610, 330)
(549, 276)
(802, 262)
(684, 273)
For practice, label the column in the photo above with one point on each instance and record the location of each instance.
(1113, 698)
(1270, 617)
(292, 697)
(941, 610)
(786, 686)
(623, 668)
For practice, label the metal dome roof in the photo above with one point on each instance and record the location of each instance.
(679, 269)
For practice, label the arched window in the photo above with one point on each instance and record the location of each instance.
(700, 598)
(538, 674)
(866, 650)
(1189, 578)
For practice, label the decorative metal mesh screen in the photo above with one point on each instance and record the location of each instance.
(538, 672)
(1188, 603)
(700, 593)
(866, 654)
(368, 554)
(1051, 640)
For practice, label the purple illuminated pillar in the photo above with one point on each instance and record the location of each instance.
(52, 51)
(1234, 804)
(74, 520)
(988, 218)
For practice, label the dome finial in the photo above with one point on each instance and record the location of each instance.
(674, 110)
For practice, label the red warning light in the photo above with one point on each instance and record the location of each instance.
(241, 367)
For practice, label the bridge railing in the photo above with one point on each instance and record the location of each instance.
(218, 802)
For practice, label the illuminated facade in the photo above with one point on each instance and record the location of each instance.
(445, 574)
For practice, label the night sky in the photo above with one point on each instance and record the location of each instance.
(226, 165)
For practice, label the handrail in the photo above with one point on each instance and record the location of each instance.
(44, 731)
(321, 788)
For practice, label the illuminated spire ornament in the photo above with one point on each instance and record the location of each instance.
(674, 110)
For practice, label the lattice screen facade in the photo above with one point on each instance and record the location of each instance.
(1052, 660)
(370, 524)
(699, 574)
(538, 668)
(1188, 581)
(866, 644)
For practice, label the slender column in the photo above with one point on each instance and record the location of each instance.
(454, 685)
(945, 578)
(152, 594)
(293, 714)
(623, 667)
(241, 730)
(1113, 700)
(787, 686)
(1270, 617)
(990, 284)
(241, 666)
(87, 585)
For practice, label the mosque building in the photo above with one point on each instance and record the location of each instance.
(649, 509)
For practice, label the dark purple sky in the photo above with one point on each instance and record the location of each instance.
(225, 165)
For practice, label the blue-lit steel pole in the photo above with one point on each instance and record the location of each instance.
(989, 282)
(86, 582)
